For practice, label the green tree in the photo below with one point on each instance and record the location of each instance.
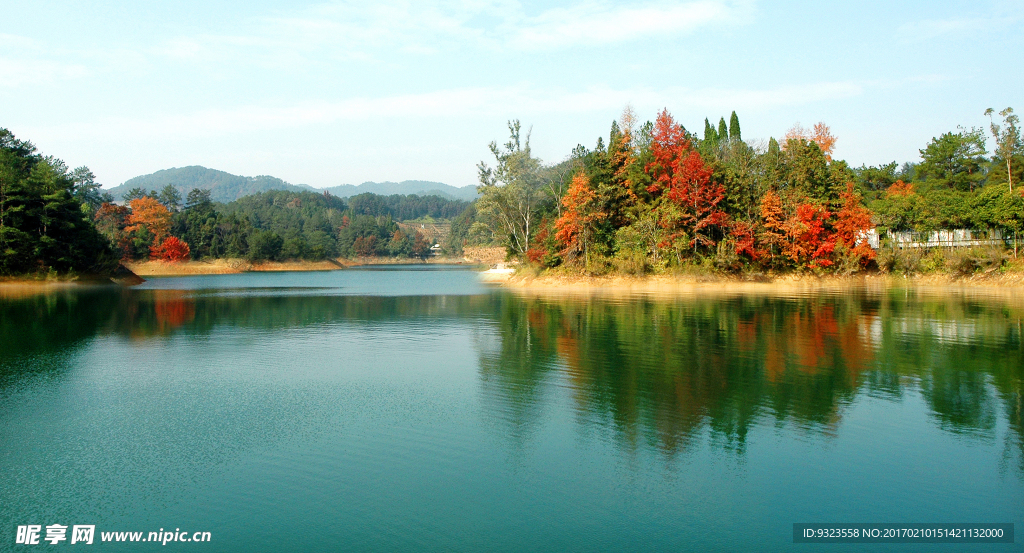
(137, 193)
(510, 193)
(198, 197)
(1007, 139)
(954, 160)
(171, 198)
(806, 170)
(710, 135)
(42, 223)
(734, 127)
(87, 190)
(265, 245)
(723, 130)
(876, 178)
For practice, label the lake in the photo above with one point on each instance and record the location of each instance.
(415, 409)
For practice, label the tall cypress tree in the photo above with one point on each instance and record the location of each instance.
(709, 132)
(723, 131)
(734, 127)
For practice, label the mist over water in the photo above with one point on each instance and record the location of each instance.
(405, 409)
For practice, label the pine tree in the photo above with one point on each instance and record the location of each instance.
(734, 127)
(723, 131)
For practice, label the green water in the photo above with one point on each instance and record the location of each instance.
(416, 410)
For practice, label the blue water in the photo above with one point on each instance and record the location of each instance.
(398, 409)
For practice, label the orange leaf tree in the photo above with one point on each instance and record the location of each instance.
(852, 222)
(821, 135)
(575, 228)
(149, 214)
(773, 233)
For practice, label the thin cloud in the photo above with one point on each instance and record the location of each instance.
(362, 31)
(20, 72)
(963, 26)
(588, 24)
(458, 104)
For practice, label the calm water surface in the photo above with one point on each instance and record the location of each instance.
(398, 409)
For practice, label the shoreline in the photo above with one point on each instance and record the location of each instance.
(1003, 285)
(237, 266)
(228, 266)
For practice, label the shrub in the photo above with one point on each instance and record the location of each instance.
(171, 249)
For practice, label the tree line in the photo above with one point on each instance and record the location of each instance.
(274, 225)
(54, 220)
(656, 196)
(653, 197)
(45, 211)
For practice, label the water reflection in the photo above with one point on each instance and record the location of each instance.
(659, 372)
(644, 372)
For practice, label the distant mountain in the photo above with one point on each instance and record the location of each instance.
(418, 187)
(225, 187)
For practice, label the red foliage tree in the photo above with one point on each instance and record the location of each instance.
(746, 243)
(539, 252)
(365, 246)
(668, 145)
(171, 249)
(420, 246)
(690, 211)
(807, 239)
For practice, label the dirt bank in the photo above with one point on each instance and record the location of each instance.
(1004, 285)
(234, 266)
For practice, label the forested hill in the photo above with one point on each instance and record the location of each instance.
(225, 187)
(418, 187)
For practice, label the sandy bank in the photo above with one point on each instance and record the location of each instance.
(234, 266)
(1003, 285)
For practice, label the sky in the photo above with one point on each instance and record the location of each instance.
(329, 93)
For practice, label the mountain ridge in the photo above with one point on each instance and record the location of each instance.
(226, 187)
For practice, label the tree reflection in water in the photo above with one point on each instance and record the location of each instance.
(645, 372)
(662, 371)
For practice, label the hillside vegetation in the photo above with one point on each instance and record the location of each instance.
(225, 187)
(654, 198)
(657, 197)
